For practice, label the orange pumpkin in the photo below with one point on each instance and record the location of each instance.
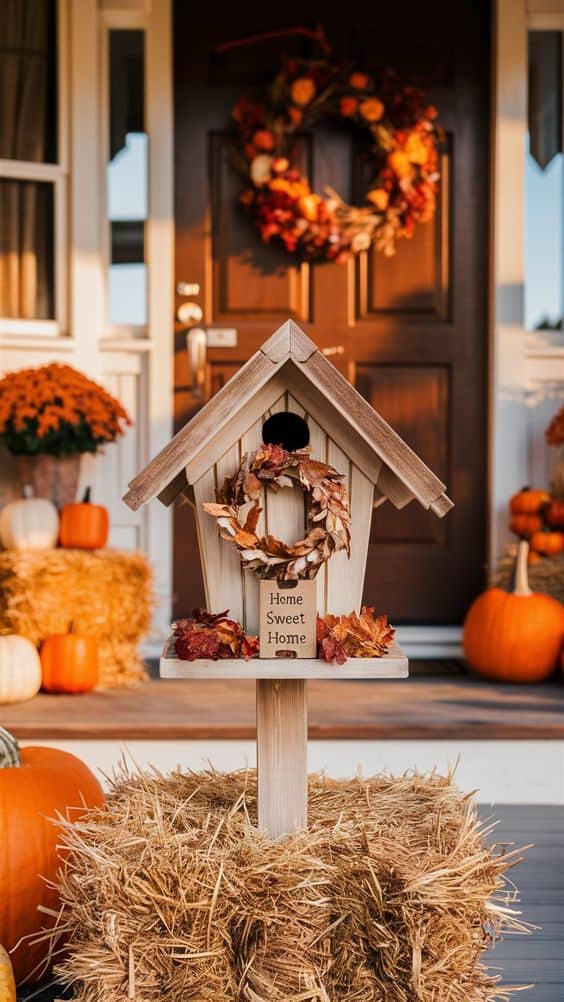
(554, 514)
(548, 543)
(36, 784)
(528, 501)
(7, 981)
(84, 526)
(525, 525)
(514, 636)
(69, 662)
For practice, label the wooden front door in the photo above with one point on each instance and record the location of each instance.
(409, 331)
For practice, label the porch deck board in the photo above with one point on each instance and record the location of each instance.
(442, 705)
(539, 958)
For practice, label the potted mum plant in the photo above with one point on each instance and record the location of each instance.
(49, 416)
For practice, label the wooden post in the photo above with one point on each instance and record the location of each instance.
(282, 755)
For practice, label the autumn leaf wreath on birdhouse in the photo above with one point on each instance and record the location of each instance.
(237, 510)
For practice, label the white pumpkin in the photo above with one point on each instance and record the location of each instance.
(20, 669)
(29, 524)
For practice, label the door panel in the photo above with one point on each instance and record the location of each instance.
(415, 401)
(249, 283)
(414, 282)
(409, 331)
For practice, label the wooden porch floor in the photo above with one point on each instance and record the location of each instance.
(538, 958)
(439, 701)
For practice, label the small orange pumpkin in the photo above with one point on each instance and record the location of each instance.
(525, 525)
(528, 501)
(554, 514)
(69, 662)
(548, 543)
(514, 636)
(36, 785)
(84, 526)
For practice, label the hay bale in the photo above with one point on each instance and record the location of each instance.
(545, 575)
(104, 592)
(391, 895)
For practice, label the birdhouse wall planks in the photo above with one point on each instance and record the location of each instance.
(288, 374)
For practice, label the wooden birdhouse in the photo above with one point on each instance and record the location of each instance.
(288, 394)
(288, 377)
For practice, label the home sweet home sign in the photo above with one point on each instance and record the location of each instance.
(288, 376)
(288, 619)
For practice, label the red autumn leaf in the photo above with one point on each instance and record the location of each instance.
(331, 650)
(212, 636)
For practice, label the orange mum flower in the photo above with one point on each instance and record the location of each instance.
(57, 409)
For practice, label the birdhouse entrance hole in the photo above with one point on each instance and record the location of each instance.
(286, 429)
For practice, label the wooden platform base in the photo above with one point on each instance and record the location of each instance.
(392, 665)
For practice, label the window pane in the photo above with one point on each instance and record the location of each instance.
(544, 185)
(127, 181)
(26, 250)
(28, 81)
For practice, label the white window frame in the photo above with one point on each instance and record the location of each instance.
(553, 22)
(56, 174)
(116, 20)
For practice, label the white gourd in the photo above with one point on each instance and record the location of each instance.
(29, 524)
(20, 669)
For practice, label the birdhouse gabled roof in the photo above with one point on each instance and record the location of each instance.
(401, 474)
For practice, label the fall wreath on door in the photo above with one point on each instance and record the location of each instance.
(403, 160)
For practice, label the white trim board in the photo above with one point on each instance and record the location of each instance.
(502, 772)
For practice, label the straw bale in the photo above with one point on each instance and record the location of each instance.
(391, 894)
(545, 575)
(104, 592)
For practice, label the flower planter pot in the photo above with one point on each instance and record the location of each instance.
(53, 477)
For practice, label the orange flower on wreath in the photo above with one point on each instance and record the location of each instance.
(400, 164)
(263, 139)
(359, 81)
(371, 109)
(379, 197)
(348, 106)
(295, 115)
(308, 206)
(415, 149)
(302, 91)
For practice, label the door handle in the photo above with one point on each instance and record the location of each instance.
(197, 347)
(189, 313)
